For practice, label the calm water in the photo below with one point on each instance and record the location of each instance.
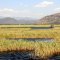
(23, 56)
(40, 39)
(33, 28)
(26, 55)
(38, 28)
(34, 39)
(55, 57)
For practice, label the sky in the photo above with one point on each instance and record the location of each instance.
(29, 8)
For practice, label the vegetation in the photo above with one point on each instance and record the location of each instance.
(50, 19)
(42, 49)
(29, 33)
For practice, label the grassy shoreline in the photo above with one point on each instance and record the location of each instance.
(42, 49)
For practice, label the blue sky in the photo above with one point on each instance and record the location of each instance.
(29, 8)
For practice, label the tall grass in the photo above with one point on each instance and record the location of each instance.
(29, 33)
(41, 49)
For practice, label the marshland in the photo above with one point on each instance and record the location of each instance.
(28, 42)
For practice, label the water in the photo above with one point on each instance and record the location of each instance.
(38, 28)
(25, 55)
(15, 55)
(34, 39)
(33, 28)
(40, 39)
(55, 57)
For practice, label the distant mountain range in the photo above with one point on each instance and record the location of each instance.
(9, 20)
(51, 19)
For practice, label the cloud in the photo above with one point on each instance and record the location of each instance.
(6, 12)
(44, 4)
(57, 9)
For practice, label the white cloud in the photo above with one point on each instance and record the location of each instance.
(57, 9)
(13, 13)
(44, 4)
(6, 12)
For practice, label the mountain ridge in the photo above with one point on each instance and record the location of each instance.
(50, 19)
(10, 20)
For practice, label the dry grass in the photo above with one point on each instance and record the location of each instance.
(29, 33)
(42, 49)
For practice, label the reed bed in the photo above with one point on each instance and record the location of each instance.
(41, 49)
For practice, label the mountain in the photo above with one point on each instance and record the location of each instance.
(51, 19)
(9, 20)
(27, 20)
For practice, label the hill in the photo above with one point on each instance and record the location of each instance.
(9, 20)
(51, 19)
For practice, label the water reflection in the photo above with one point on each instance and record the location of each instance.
(38, 28)
(26, 55)
(55, 57)
(34, 39)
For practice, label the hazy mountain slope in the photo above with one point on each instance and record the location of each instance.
(8, 20)
(51, 19)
